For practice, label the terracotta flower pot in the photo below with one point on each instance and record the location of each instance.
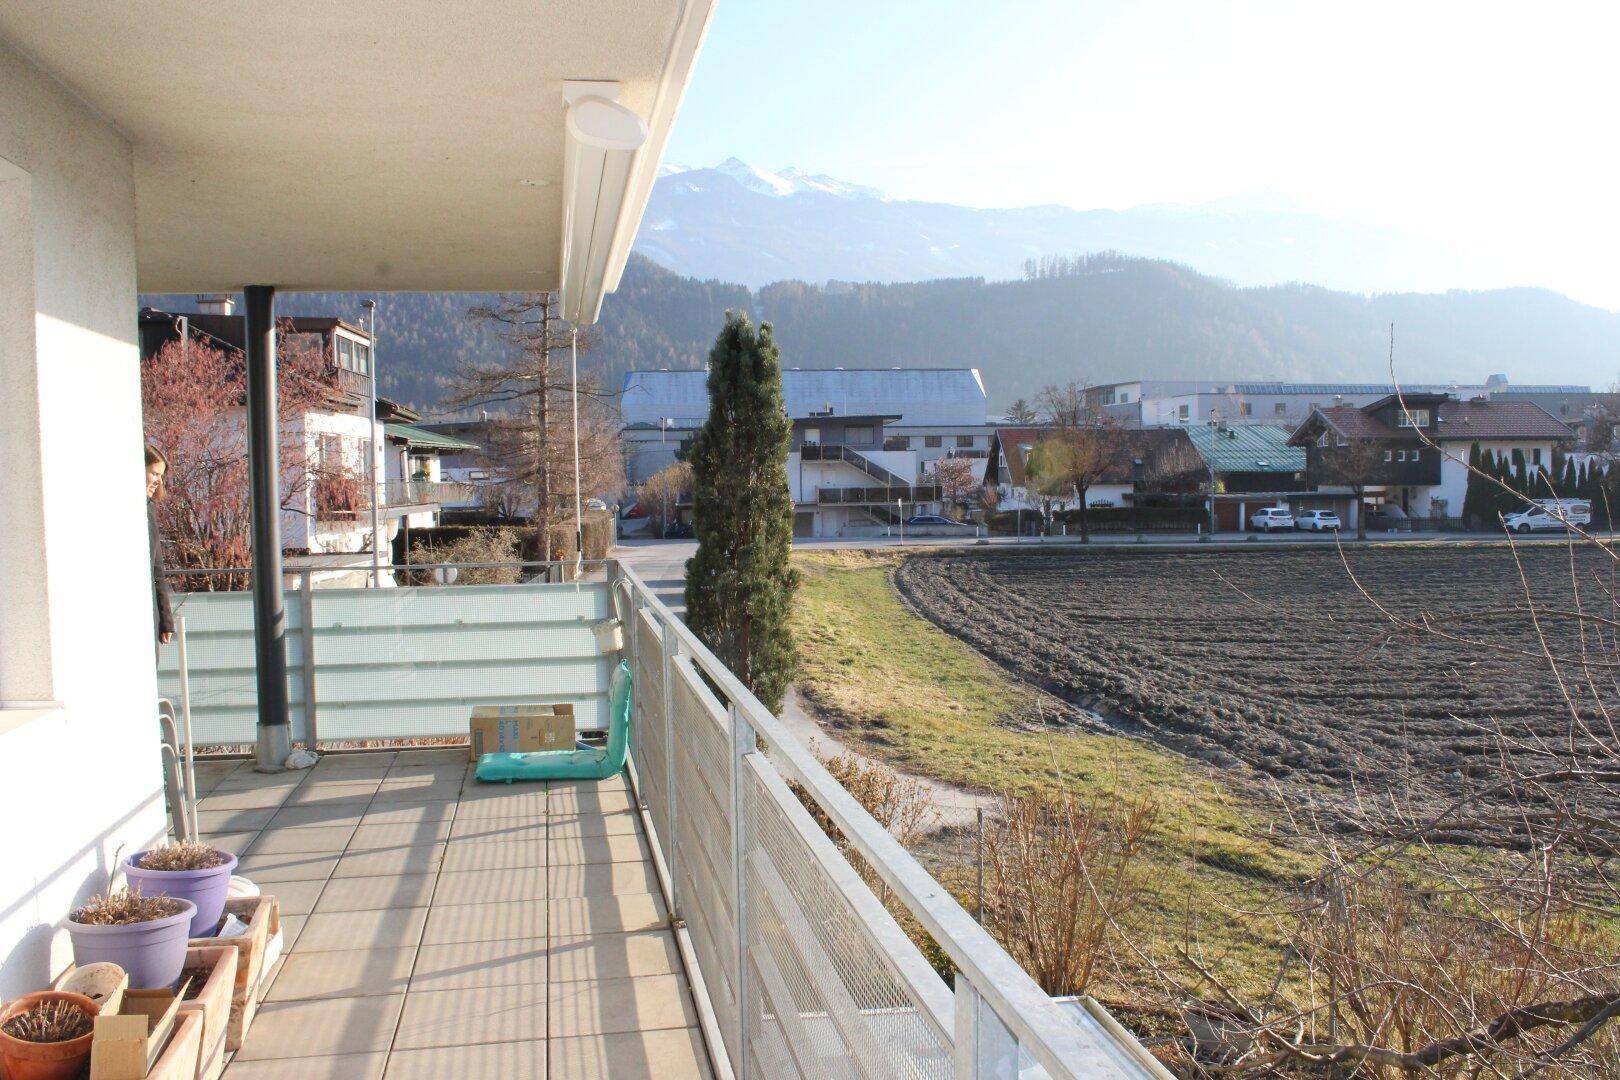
(44, 1061)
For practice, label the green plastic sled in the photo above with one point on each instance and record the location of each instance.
(595, 763)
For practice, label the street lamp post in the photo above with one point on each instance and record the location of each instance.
(900, 512)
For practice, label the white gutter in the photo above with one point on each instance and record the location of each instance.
(685, 42)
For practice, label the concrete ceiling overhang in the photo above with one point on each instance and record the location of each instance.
(364, 145)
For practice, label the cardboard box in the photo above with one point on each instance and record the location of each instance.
(263, 916)
(213, 1000)
(520, 729)
(180, 1060)
(125, 1045)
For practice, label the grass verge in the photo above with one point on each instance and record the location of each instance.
(907, 693)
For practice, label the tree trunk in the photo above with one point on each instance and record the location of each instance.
(1361, 513)
(1085, 525)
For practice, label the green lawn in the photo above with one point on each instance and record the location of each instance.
(913, 696)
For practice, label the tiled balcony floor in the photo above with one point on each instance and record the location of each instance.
(438, 927)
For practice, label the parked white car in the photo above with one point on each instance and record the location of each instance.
(1271, 519)
(1318, 521)
(1550, 514)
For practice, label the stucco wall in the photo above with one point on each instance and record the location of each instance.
(84, 774)
(1453, 486)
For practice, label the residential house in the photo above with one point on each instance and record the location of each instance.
(846, 478)
(936, 412)
(325, 525)
(1249, 467)
(420, 479)
(1148, 403)
(1413, 457)
(1144, 459)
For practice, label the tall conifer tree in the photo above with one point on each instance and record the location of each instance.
(739, 585)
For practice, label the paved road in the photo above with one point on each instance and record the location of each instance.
(662, 565)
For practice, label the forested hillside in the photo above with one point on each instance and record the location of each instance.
(1100, 317)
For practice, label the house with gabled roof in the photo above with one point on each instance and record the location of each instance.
(1411, 451)
(1251, 466)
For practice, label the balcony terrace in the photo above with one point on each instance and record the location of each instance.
(691, 914)
(435, 926)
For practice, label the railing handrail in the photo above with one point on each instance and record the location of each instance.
(1040, 1024)
(587, 564)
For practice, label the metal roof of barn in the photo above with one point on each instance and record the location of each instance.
(415, 436)
(1247, 448)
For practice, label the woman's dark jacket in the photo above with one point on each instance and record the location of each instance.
(162, 613)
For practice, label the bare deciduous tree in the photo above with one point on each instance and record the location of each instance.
(1078, 449)
(958, 482)
(663, 491)
(531, 447)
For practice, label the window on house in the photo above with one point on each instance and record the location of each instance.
(1246, 408)
(1535, 456)
(933, 442)
(1412, 418)
(964, 440)
(330, 452)
(1389, 455)
(1279, 409)
(362, 358)
(1325, 439)
(1181, 412)
(858, 436)
(1416, 454)
(345, 353)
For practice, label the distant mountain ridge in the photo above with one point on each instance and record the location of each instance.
(736, 222)
(1110, 317)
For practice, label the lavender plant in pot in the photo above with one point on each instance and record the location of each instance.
(144, 935)
(187, 871)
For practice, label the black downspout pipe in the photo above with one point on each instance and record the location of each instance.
(274, 741)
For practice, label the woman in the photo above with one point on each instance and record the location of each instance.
(163, 615)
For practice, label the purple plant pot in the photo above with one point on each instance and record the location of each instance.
(208, 889)
(153, 953)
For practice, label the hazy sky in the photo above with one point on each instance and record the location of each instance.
(1492, 128)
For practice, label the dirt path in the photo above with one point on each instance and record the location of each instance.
(958, 807)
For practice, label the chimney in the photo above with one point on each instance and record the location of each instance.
(216, 303)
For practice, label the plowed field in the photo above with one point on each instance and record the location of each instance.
(1273, 665)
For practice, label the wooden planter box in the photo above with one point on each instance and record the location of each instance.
(263, 916)
(214, 1002)
(181, 1059)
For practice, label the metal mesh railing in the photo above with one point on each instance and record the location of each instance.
(825, 993)
(804, 971)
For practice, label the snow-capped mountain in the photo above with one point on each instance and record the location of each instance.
(791, 181)
(740, 223)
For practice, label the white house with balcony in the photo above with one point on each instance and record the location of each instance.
(933, 412)
(509, 151)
